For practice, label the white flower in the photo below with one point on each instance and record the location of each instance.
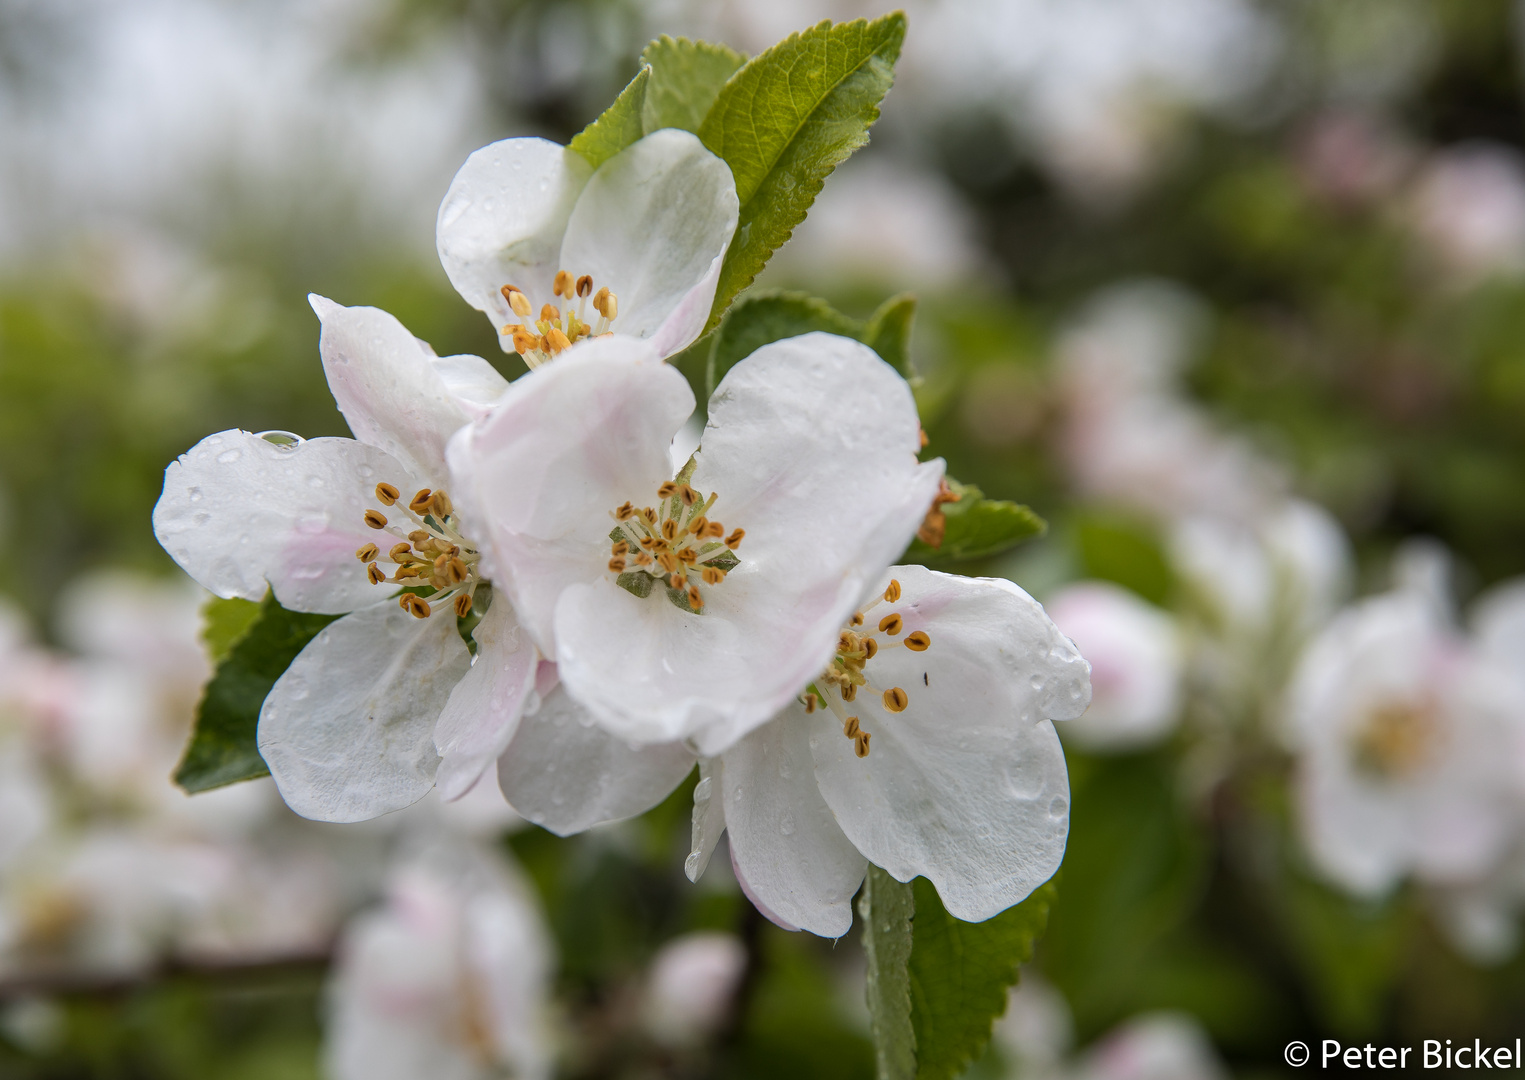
(924, 747)
(1412, 747)
(448, 980)
(809, 458)
(1468, 206)
(641, 239)
(1136, 656)
(691, 986)
(349, 730)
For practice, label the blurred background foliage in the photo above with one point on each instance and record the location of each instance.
(1343, 326)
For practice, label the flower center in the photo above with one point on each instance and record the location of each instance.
(561, 324)
(674, 543)
(1396, 738)
(433, 556)
(838, 685)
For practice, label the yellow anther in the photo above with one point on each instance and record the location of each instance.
(517, 301)
(917, 641)
(556, 341)
(463, 605)
(667, 490)
(714, 530)
(860, 744)
(617, 565)
(895, 699)
(387, 494)
(893, 592)
(669, 530)
(870, 647)
(857, 619)
(415, 605)
(405, 572)
(669, 562)
(712, 575)
(439, 505)
(585, 286)
(456, 571)
(420, 502)
(688, 495)
(850, 727)
(625, 512)
(649, 515)
(600, 300)
(849, 691)
(611, 307)
(891, 624)
(811, 703)
(698, 525)
(549, 314)
(367, 553)
(642, 559)
(734, 540)
(376, 574)
(375, 519)
(621, 547)
(924, 439)
(420, 537)
(562, 284)
(688, 555)
(524, 341)
(399, 552)
(695, 600)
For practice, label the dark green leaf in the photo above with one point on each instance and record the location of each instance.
(222, 749)
(977, 527)
(785, 121)
(960, 973)
(766, 317)
(886, 907)
(618, 127)
(686, 77)
(224, 622)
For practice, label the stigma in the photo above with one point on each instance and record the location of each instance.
(674, 543)
(561, 325)
(432, 561)
(838, 686)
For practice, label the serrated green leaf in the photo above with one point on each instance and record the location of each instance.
(686, 77)
(784, 121)
(222, 749)
(977, 527)
(765, 317)
(959, 975)
(886, 907)
(618, 127)
(224, 622)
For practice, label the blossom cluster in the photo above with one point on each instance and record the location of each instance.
(537, 580)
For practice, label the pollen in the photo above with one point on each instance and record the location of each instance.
(368, 553)
(851, 669)
(892, 593)
(895, 699)
(387, 494)
(463, 605)
(538, 338)
(375, 519)
(672, 540)
(891, 624)
(434, 556)
(420, 501)
(415, 605)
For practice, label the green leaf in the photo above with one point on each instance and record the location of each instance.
(686, 77)
(222, 749)
(224, 622)
(978, 527)
(785, 121)
(886, 907)
(618, 127)
(960, 973)
(770, 316)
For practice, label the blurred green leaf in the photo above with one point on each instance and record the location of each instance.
(977, 527)
(886, 907)
(618, 127)
(222, 749)
(765, 317)
(224, 622)
(1124, 550)
(960, 973)
(686, 77)
(785, 121)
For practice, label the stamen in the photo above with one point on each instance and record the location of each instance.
(399, 552)
(625, 512)
(891, 624)
(667, 490)
(617, 565)
(870, 647)
(548, 313)
(368, 553)
(456, 571)
(420, 503)
(415, 605)
(893, 592)
(439, 505)
(811, 703)
(556, 341)
(621, 547)
(849, 692)
(698, 525)
(584, 286)
(376, 574)
(861, 744)
(375, 519)
(688, 495)
(463, 605)
(895, 699)
(517, 301)
(387, 494)
(712, 575)
(917, 641)
(695, 599)
(851, 728)
(734, 540)
(562, 284)
(857, 619)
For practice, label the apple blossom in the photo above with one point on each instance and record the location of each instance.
(691, 986)
(665, 623)
(532, 235)
(924, 746)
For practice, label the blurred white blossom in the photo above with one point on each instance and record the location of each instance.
(691, 985)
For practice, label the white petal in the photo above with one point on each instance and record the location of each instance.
(238, 512)
(653, 225)
(708, 819)
(967, 786)
(482, 714)
(566, 774)
(475, 384)
(570, 441)
(389, 385)
(785, 843)
(348, 730)
(502, 221)
(811, 448)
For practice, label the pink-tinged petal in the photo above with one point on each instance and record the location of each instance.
(502, 221)
(786, 845)
(653, 225)
(392, 389)
(241, 514)
(566, 774)
(348, 730)
(966, 786)
(568, 443)
(483, 712)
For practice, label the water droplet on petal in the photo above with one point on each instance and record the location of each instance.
(228, 457)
